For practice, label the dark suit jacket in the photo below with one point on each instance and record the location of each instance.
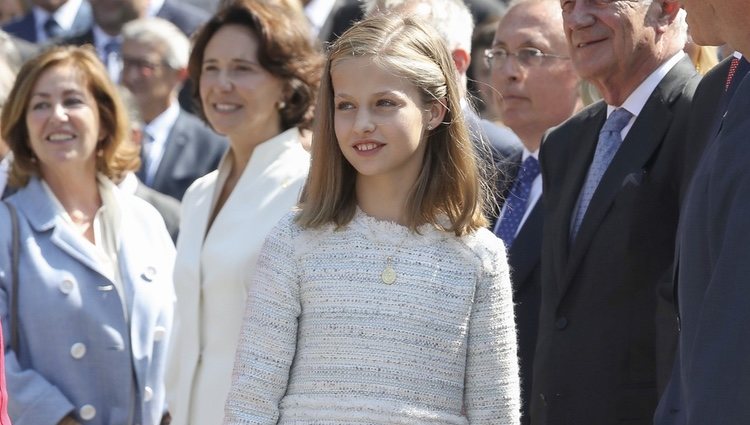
(711, 380)
(185, 16)
(192, 151)
(25, 26)
(168, 207)
(597, 350)
(524, 259)
(343, 15)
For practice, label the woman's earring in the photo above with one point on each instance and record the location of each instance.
(429, 126)
(281, 105)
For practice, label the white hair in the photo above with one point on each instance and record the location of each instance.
(162, 33)
(450, 18)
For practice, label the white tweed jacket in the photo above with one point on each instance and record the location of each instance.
(326, 342)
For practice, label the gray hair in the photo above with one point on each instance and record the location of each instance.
(450, 18)
(162, 33)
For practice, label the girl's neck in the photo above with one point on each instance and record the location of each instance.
(78, 192)
(383, 199)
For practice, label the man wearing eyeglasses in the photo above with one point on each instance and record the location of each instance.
(176, 147)
(537, 89)
(613, 176)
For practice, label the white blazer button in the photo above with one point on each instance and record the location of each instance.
(159, 333)
(87, 412)
(149, 274)
(67, 286)
(148, 394)
(78, 350)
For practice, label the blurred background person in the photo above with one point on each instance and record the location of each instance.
(176, 146)
(480, 87)
(7, 77)
(537, 89)
(167, 206)
(256, 72)
(100, 260)
(111, 15)
(703, 57)
(51, 19)
(11, 9)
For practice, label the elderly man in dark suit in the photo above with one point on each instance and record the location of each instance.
(51, 19)
(711, 378)
(532, 73)
(612, 178)
(177, 147)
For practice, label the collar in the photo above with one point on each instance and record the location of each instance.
(101, 39)
(637, 100)
(317, 12)
(527, 153)
(64, 15)
(154, 6)
(129, 184)
(160, 126)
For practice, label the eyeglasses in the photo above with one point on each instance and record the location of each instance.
(527, 56)
(140, 64)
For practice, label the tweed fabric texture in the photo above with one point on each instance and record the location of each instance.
(609, 142)
(325, 341)
(518, 200)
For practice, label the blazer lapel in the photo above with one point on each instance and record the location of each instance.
(42, 214)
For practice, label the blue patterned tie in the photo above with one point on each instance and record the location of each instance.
(52, 29)
(517, 202)
(610, 140)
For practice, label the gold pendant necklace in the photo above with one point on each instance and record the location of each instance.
(388, 276)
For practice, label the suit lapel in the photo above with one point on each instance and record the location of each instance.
(629, 164)
(526, 250)
(172, 152)
(579, 157)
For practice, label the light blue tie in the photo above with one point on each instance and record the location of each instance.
(517, 202)
(610, 140)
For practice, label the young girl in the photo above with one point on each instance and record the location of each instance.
(384, 300)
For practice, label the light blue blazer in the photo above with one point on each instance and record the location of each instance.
(78, 353)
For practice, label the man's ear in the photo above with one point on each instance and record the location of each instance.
(182, 74)
(669, 11)
(462, 59)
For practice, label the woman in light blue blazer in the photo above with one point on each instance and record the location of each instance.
(95, 298)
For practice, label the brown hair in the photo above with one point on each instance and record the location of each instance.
(450, 182)
(285, 49)
(115, 155)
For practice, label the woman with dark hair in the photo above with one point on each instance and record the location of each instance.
(93, 302)
(256, 73)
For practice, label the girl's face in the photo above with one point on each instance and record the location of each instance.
(380, 121)
(63, 120)
(240, 98)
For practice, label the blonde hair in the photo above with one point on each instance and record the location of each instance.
(449, 184)
(117, 157)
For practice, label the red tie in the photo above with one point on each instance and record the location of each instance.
(732, 70)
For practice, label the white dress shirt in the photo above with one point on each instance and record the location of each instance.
(65, 15)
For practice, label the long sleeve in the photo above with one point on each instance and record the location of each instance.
(492, 392)
(269, 335)
(34, 399)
